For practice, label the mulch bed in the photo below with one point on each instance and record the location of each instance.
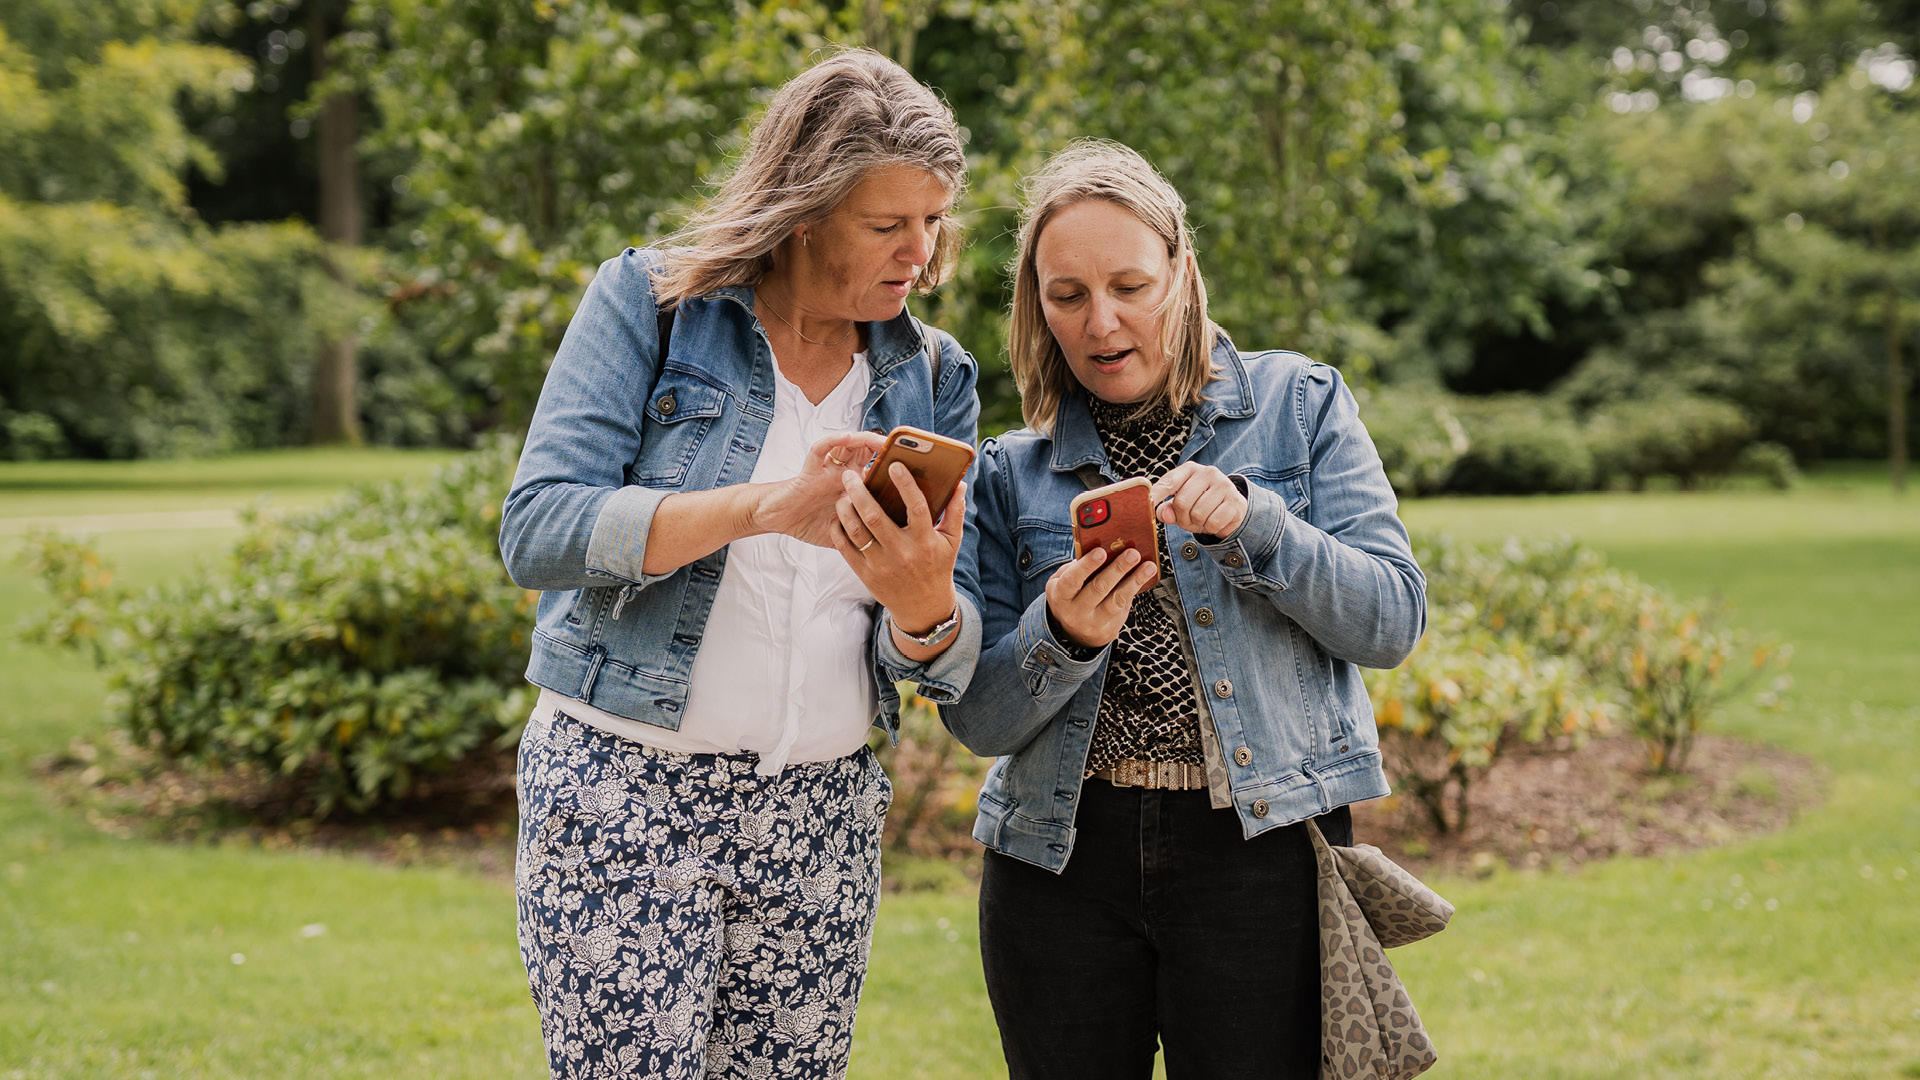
(1559, 809)
(1543, 809)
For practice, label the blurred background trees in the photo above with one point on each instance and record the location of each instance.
(1558, 248)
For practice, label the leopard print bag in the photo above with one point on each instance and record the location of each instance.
(1369, 1029)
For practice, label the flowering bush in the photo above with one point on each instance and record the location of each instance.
(1534, 642)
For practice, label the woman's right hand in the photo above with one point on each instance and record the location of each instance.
(803, 507)
(1090, 601)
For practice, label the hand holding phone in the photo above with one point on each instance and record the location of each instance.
(937, 465)
(1116, 558)
(1115, 518)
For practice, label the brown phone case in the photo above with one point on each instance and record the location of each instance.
(937, 463)
(1117, 517)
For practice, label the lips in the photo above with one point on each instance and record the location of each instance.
(1106, 363)
(898, 288)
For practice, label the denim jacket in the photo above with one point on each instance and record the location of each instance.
(619, 428)
(1318, 579)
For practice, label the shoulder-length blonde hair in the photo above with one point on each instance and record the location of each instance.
(1101, 169)
(823, 132)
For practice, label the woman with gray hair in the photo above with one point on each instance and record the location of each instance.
(1173, 718)
(700, 819)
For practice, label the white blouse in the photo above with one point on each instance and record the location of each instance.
(782, 668)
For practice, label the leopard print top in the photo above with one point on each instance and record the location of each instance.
(1147, 710)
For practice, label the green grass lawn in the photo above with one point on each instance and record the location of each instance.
(1791, 955)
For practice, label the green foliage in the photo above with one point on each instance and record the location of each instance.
(347, 653)
(1676, 665)
(133, 329)
(1543, 641)
(1502, 664)
(1519, 444)
(1680, 435)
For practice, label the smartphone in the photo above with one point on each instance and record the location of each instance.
(1117, 517)
(937, 463)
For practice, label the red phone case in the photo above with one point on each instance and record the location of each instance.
(1117, 517)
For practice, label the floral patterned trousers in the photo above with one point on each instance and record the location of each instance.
(681, 916)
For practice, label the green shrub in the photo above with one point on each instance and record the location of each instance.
(1501, 665)
(1535, 641)
(1518, 445)
(1680, 435)
(1770, 461)
(1418, 436)
(348, 653)
(1674, 664)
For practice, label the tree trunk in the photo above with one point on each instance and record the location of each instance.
(1896, 398)
(336, 375)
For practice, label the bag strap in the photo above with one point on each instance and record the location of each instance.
(931, 342)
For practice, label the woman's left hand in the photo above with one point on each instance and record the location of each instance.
(1200, 499)
(909, 569)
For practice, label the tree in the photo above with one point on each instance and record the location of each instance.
(130, 326)
(336, 405)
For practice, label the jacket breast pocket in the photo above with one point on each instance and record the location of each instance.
(1294, 486)
(1039, 548)
(679, 416)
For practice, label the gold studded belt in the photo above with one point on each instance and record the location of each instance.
(1163, 775)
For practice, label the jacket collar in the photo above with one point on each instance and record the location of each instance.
(1229, 396)
(889, 344)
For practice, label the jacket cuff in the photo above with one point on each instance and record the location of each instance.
(1042, 655)
(1245, 557)
(945, 677)
(618, 546)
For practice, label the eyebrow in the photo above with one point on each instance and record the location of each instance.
(1122, 272)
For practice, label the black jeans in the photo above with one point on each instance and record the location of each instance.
(1167, 925)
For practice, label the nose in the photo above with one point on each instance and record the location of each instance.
(1102, 316)
(918, 248)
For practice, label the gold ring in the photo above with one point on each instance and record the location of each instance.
(836, 459)
(866, 545)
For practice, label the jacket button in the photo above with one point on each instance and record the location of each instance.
(1343, 749)
(1234, 560)
(1243, 757)
(1189, 551)
(1205, 618)
(667, 404)
(1043, 656)
(1026, 559)
(1223, 689)
(1259, 808)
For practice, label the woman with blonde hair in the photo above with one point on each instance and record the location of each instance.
(1167, 726)
(699, 847)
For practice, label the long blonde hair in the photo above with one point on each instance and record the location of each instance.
(823, 132)
(1101, 169)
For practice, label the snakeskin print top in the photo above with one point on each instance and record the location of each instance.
(1146, 705)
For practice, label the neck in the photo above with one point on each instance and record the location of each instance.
(785, 311)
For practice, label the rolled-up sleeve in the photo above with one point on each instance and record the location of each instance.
(570, 520)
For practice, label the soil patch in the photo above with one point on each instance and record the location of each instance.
(1537, 809)
(463, 818)
(1559, 809)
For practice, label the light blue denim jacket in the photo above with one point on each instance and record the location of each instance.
(1317, 580)
(620, 428)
